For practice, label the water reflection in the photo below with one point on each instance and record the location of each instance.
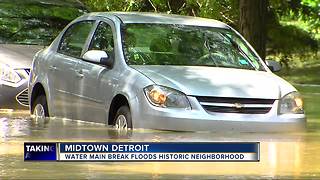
(294, 155)
(13, 128)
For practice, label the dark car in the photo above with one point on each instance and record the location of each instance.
(25, 29)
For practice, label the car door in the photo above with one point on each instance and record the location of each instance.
(96, 84)
(63, 68)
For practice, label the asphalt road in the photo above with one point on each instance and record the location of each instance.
(283, 155)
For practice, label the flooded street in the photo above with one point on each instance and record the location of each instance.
(293, 155)
(219, 65)
(282, 155)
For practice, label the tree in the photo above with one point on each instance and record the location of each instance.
(250, 19)
(253, 23)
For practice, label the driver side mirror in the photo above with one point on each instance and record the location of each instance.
(274, 66)
(98, 57)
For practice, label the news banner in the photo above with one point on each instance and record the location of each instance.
(142, 151)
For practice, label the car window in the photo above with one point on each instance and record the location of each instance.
(103, 39)
(74, 38)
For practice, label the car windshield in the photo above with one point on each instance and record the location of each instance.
(35, 21)
(183, 45)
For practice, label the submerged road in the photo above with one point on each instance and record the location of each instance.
(283, 155)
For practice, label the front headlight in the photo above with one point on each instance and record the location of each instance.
(291, 104)
(166, 97)
(8, 74)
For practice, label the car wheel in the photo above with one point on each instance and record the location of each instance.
(40, 109)
(122, 120)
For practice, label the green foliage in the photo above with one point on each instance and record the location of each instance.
(226, 11)
(294, 32)
(293, 25)
(283, 38)
(223, 10)
(35, 21)
(113, 5)
(290, 39)
(299, 10)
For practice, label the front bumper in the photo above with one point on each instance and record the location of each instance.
(198, 119)
(14, 97)
(186, 124)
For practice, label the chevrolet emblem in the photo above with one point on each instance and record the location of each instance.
(238, 105)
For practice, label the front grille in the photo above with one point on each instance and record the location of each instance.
(22, 98)
(236, 105)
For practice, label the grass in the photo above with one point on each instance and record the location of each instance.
(304, 75)
(306, 79)
(311, 96)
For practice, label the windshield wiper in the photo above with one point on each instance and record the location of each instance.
(207, 45)
(234, 45)
(242, 53)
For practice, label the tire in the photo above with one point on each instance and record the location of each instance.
(123, 115)
(39, 103)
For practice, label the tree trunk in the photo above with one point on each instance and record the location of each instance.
(253, 24)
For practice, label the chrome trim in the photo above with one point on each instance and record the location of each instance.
(25, 90)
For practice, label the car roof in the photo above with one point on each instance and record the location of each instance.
(161, 18)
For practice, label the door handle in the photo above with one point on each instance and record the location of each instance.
(53, 68)
(79, 74)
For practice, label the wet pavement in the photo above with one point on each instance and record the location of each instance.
(283, 155)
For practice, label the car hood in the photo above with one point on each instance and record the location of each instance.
(18, 56)
(218, 82)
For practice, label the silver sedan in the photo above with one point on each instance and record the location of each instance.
(144, 70)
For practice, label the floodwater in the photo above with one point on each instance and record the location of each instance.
(283, 155)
